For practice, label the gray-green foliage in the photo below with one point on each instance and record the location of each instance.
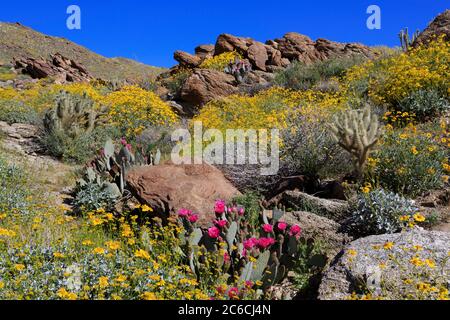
(13, 193)
(379, 212)
(425, 104)
(73, 129)
(357, 132)
(301, 76)
(309, 149)
(18, 112)
(72, 115)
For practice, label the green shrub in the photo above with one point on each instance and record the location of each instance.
(300, 76)
(409, 161)
(77, 149)
(250, 201)
(13, 194)
(93, 196)
(17, 112)
(424, 104)
(380, 212)
(309, 149)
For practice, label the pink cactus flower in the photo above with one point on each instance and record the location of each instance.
(282, 226)
(193, 218)
(295, 230)
(123, 142)
(128, 146)
(184, 212)
(241, 211)
(267, 228)
(233, 293)
(250, 243)
(249, 284)
(226, 257)
(264, 243)
(219, 207)
(220, 223)
(213, 232)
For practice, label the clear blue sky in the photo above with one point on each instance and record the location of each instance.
(151, 30)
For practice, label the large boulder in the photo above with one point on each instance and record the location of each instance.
(359, 264)
(440, 26)
(186, 59)
(204, 51)
(204, 85)
(168, 188)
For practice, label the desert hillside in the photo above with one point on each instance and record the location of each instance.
(18, 41)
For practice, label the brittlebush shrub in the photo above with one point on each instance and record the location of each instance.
(17, 112)
(389, 80)
(411, 160)
(221, 61)
(132, 110)
(268, 109)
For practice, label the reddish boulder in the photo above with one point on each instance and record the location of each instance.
(205, 85)
(59, 67)
(169, 188)
(257, 54)
(186, 59)
(227, 42)
(204, 51)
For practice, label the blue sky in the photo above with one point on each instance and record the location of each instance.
(150, 31)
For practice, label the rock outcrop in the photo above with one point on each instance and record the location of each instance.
(60, 68)
(335, 210)
(361, 266)
(265, 59)
(168, 188)
(205, 85)
(440, 26)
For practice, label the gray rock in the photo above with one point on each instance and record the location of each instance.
(349, 273)
(320, 229)
(332, 209)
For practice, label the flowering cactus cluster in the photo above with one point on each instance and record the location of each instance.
(258, 258)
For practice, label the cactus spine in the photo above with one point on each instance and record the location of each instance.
(357, 131)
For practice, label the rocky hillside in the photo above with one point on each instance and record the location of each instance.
(20, 42)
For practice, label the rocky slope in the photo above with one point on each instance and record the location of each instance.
(18, 42)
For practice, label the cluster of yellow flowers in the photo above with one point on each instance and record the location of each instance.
(394, 78)
(268, 109)
(221, 61)
(133, 109)
(419, 280)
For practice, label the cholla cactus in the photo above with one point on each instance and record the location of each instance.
(405, 41)
(72, 115)
(357, 131)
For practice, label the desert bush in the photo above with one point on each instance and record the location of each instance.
(221, 61)
(175, 82)
(13, 194)
(309, 149)
(388, 81)
(268, 109)
(17, 112)
(425, 104)
(301, 76)
(133, 109)
(80, 148)
(379, 212)
(411, 160)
